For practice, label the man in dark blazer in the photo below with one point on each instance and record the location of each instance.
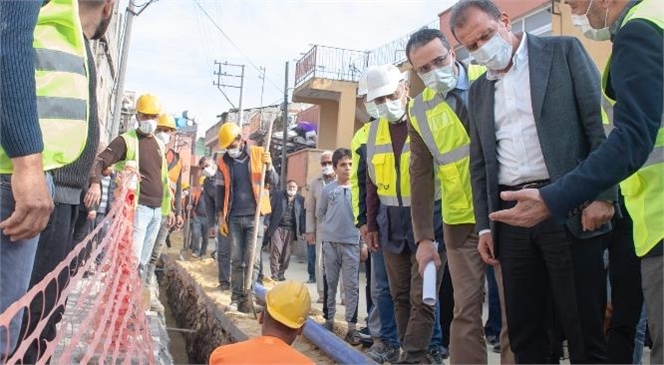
(284, 225)
(533, 117)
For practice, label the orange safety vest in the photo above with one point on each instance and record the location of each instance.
(256, 168)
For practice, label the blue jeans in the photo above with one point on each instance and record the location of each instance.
(16, 262)
(241, 232)
(311, 261)
(147, 222)
(199, 233)
(388, 333)
(493, 324)
(224, 258)
(640, 337)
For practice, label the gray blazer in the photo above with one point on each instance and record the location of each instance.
(566, 94)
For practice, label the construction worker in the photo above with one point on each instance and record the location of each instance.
(434, 161)
(61, 40)
(195, 203)
(388, 216)
(381, 322)
(285, 315)
(153, 196)
(634, 151)
(222, 252)
(241, 166)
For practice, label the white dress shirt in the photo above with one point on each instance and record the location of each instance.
(518, 149)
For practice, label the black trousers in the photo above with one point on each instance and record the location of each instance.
(626, 293)
(446, 297)
(55, 243)
(547, 272)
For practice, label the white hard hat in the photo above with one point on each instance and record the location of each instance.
(362, 86)
(382, 80)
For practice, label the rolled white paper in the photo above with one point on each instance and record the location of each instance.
(429, 292)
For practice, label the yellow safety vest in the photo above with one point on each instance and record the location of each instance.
(132, 154)
(360, 138)
(644, 190)
(61, 78)
(449, 143)
(391, 177)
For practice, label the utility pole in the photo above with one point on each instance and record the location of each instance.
(220, 85)
(284, 119)
(119, 88)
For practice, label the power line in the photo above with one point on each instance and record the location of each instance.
(235, 45)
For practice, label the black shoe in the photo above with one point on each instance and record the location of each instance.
(244, 307)
(434, 356)
(366, 339)
(353, 337)
(496, 348)
(492, 340)
(311, 281)
(444, 352)
(282, 278)
(224, 286)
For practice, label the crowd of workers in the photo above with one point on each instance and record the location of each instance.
(526, 166)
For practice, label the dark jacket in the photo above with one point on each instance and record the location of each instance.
(565, 92)
(279, 201)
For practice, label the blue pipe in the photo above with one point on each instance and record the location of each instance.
(333, 346)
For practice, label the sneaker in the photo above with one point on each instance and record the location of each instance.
(353, 337)
(194, 254)
(329, 326)
(382, 353)
(434, 356)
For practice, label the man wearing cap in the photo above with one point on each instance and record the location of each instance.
(439, 121)
(388, 216)
(285, 315)
(238, 191)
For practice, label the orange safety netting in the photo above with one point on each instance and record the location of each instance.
(105, 317)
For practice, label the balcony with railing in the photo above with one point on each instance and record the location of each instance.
(330, 63)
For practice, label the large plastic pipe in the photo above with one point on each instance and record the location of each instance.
(332, 346)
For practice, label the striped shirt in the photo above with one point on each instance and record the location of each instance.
(105, 183)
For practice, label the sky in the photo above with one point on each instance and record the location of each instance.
(174, 44)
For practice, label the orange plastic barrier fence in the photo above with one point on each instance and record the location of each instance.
(104, 320)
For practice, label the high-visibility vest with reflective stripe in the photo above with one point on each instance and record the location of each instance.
(449, 143)
(61, 77)
(132, 154)
(644, 190)
(360, 138)
(391, 177)
(255, 172)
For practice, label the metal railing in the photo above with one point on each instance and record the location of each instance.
(330, 63)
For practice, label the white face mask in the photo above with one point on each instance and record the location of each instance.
(392, 110)
(494, 54)
(372, 109)
(442, 79)
(582, 22)
(291, 192)
(210, 170)
(327, 170)
(147, 126)
(163, 137)
(234, 152)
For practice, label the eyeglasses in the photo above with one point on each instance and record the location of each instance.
(437, 62)
(326, 163)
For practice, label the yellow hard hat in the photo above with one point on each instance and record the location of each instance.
(289, 303)
(166, 121)
(228, 133)
(185, 185)
(148, 104)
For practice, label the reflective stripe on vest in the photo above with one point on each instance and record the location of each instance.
(360, 138)
(643, 190)
(132, 154)
(61, 78)
(448, 141)
(392, 180)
